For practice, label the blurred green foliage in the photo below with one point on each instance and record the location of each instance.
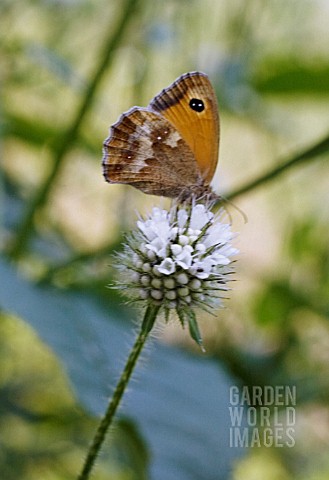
(68, 69)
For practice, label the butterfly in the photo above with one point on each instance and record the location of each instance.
(170, 148)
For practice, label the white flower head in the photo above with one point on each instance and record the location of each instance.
(180, 260)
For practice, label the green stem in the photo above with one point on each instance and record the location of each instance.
(106, 56)
(314, 151)
(107, 420)
(74, 261)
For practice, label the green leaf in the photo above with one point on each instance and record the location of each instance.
(290, 78)
(39, 133)
(275, 304)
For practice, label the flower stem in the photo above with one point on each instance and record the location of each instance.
(115, 35)
(94, 449)
(316, 150)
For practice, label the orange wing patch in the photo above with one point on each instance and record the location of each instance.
(190, 104)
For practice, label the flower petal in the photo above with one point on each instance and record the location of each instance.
(200, 216)
(167, 266)
(182, 217)
(184, 259)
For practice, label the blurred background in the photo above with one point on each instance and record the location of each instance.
(69, 68)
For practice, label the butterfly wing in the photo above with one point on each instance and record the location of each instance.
(146, 151)
(190, 104)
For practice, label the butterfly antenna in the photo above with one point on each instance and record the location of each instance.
(242, 213)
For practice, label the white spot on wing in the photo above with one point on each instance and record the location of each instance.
(172, 139)
(144, 149)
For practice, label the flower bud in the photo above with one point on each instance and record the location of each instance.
(183, 291)
(156, 294)
(145, 280)
(182, 278)
(156, 283)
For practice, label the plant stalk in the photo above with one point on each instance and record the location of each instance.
(111, 43)
(107, 420)
(318, 149)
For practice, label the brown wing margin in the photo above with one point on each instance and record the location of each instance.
(200, 130)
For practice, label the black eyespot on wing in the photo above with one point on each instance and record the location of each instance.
(197, 105)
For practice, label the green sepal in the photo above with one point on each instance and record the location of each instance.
(167, 315)
(181, 315)
(188, 315)
(149, 318)
(194, 329)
